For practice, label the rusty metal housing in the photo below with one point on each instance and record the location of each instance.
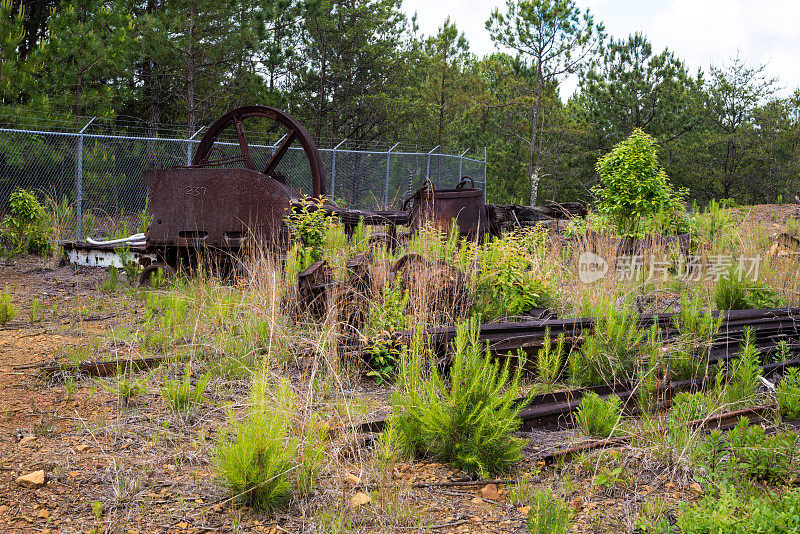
(439, 207)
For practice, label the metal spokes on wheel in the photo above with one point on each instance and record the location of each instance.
(294, 132)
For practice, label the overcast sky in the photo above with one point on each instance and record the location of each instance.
(701, 32)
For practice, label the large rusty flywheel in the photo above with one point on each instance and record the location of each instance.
(294, 131)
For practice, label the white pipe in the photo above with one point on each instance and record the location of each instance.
(131, 240)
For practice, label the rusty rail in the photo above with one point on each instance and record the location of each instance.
(529, 336)
(552, 410)
(724, 421)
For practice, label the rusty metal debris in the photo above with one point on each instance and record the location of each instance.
(439, 207)
(211, 205)
(511, 217)
(101, 368)
(312, 287)
(433, 286)
(436, 289)
(552, 410)
(723, 421)
(209, 209)
(773, 324)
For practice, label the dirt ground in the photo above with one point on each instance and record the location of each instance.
(141, 468)
(773, 217)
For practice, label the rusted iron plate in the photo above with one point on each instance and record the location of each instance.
(371, 218)
(219, 208)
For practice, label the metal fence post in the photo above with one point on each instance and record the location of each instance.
(461, 164)
(189, 146)
(484, 174)
(79, 183)
(386, 190)
(428, 170)
(333, 169)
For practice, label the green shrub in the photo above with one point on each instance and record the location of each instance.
(109, 285)
(7, 309)
(712, 458)
(258, 458)
(782, 353)
(728, 514)
(255, 465)
(467, 421)
(390, 313)
(183, 397)
(383, 354)
(730, 291)
(788, 393)
(761, 296)
(308, 224)
(550, 359)
(614, 350)
(127, 388)
(772, 458)
(599, 417)
(734, 292)
(743, 373)
(33, 313)
(386, 316)
(633, 186)
(548, 514)
(26, 225)
(511, 279)
(608, 479)
(130, 266)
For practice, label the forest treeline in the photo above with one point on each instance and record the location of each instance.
(361, 69)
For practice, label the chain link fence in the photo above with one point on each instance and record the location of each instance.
(100, 175)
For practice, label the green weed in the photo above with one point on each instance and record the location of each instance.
(181, 395)
(33, 313)
(7, 309)
(599, 417)
(550, 359)
(788, 393)
(548, 514)
(775, 514)
(469, 420)
(127, 388)
(109, 285)
(26, 225)
(257, 456)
